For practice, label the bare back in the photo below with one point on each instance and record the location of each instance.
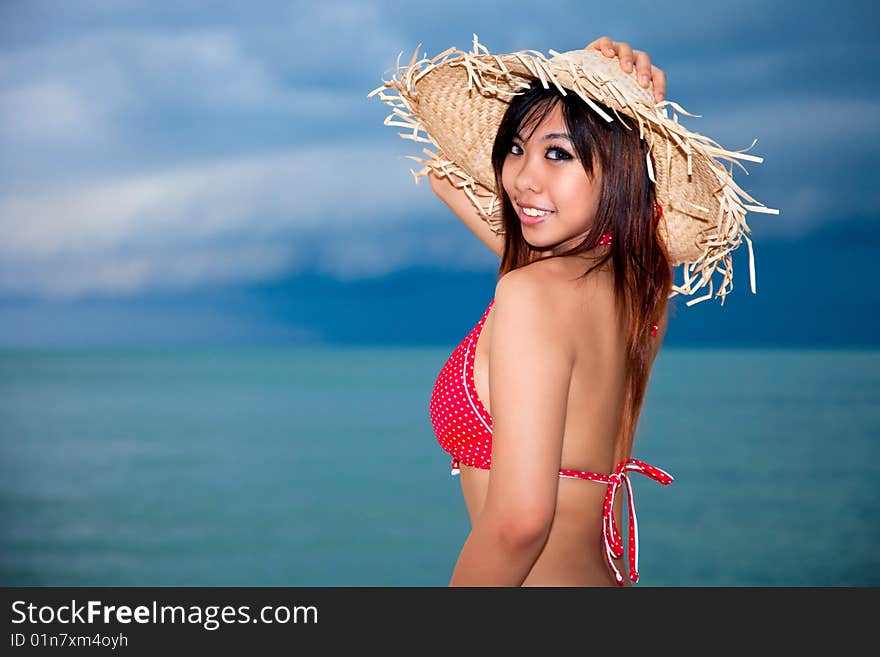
(572, 555)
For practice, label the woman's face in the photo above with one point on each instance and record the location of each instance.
(554, 198)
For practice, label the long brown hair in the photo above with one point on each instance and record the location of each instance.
(642, 273)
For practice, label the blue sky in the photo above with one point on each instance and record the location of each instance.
(169, 167)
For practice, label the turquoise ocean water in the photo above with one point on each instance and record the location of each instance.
(319, 467)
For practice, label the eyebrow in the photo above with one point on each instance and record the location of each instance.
(552, 135)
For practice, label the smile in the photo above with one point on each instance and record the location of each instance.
(531, 216)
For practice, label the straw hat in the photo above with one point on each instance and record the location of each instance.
(455, 101)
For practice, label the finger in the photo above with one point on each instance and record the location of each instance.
(601, 44)
(644, 70)
(625, 53)
(659, 78)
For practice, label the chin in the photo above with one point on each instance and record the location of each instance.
(544, 241)
(536, 245)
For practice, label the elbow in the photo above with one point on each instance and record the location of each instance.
(524, 530)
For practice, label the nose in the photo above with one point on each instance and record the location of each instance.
(528, 175)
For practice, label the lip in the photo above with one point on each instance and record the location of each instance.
(532, 221)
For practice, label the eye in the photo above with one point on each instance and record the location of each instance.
(515, 150)
(556, 153)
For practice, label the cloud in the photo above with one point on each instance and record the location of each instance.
(125, 273)
(150, 145)
(50, 108)
(205, 223)
(812, 147)
(117, 96)
(126, 70)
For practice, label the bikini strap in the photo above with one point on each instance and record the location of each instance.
(612, 539)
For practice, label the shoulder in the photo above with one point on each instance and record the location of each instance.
(530, 288)
(530, 308)
(556, 286)
(547, 275)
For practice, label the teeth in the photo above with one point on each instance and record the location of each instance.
(532, 212)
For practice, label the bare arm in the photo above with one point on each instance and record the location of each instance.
(514, 524)
(461, 205)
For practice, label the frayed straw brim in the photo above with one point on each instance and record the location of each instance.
(455, 101)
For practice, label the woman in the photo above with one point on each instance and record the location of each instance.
(538, 405)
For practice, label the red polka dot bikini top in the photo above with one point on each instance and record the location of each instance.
(464, 429)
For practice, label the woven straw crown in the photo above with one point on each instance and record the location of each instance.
(455, 102)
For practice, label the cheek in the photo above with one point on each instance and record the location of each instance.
(507, 179)
(577, 190)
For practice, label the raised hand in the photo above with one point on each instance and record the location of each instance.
(646, 72)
